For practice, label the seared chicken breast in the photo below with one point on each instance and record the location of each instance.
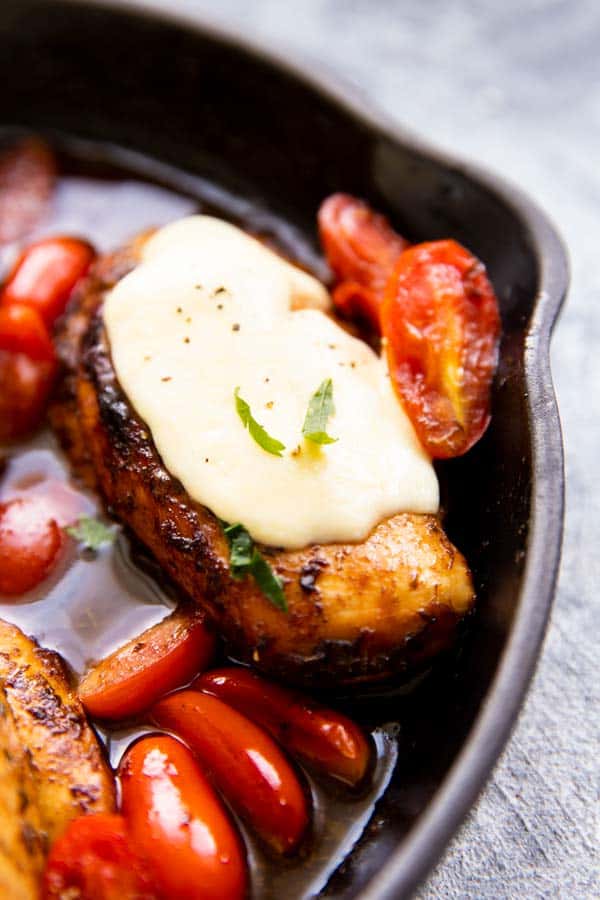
(21, 839)
(355, 611)
(70, 774)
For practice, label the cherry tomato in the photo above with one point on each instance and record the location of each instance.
(164, 657)
(27, 172)
(361, 247)
(46, 273)
(441, 322)
(93, 860)
(22, 330)
(244, 762)
(328, 740)
(30, 544)
(178, 825)
(25, 386)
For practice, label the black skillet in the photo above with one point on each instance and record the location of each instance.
(211, 104)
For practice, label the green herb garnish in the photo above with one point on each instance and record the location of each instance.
(91, 533)
(244, 559)
(320, 408)
(241, 549)
(264, 440)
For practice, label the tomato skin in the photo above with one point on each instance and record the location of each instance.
(361, 248)
(30, 544)
(27, 173)
(441, 323)
(163, 658)
(323, 737)
(245, 764)
(46, 273)
(93, 860)
(178, 825)
(22, 330)
(25, 386)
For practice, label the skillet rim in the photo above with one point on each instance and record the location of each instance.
(408, 865)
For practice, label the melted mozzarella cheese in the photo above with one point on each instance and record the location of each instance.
(208, 310)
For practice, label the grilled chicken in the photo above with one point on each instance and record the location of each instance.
(70, 775)
(21, 841)
(356, 611)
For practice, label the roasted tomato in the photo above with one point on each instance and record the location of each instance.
(27, 172)
(27, 370)
(25, 386)
(93, 860)
(164, 657)
(30, 545)
(245, 764)
(327, 740)
(178, 825)
(46, 273)
(361, 247)
(441, 323)
(22, 330)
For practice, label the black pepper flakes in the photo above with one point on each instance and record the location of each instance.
(186, 340)
(166, 378)
(235, 326)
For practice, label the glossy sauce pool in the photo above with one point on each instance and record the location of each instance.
(93, 603)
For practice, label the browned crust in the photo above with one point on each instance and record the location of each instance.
(21, 840)
(356, 611)
(70, 773)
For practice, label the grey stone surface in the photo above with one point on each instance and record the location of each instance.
(515, 85)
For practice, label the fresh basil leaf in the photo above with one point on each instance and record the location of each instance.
(241, 549)
(257, 432)
(244, 559)
(320, 408)
(270, 584)
(91, 533)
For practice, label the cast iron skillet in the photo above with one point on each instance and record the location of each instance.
(213, 105)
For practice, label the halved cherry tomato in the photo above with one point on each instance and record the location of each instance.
(164, 657)
(178, 825)
(30, 543)
(25, 386)
(46, 273)
(27, 172)
(328, 740)
(22, 330)
(361, 247)
(441, 323)
(93, 860)
(244, 762)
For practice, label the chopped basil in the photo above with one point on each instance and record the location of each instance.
(245, 559)
(241, 549)
(320, 408)
(91, 533)
(269, 583)
(257, 432)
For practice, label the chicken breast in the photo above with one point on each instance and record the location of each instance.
(21, 840)
(355, 611)
(70, 774)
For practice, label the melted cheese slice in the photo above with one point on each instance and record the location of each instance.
(208, 310)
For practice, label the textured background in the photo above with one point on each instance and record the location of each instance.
(515, 85)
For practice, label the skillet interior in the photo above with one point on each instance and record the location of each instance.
(213, 108)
